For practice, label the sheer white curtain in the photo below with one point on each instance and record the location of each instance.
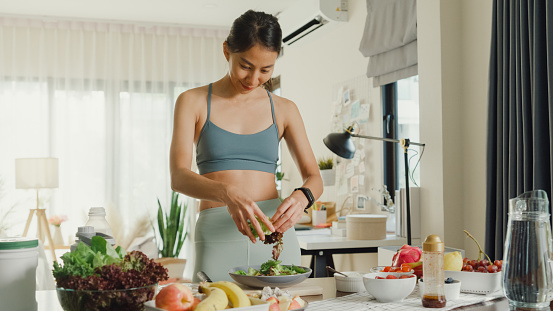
(99, 96)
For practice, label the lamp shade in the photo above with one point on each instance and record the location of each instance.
(35, 173)
(341, 144)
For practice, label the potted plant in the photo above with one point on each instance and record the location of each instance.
(173, 231)
(328, 174)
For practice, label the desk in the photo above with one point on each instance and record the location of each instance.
(321, 245)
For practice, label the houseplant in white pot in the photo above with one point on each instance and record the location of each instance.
(173, 231)
(326, 167)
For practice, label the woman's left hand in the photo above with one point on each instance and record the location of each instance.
(289, 212)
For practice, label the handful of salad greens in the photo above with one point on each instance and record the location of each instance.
(272, 268)
(270, 238)
(100, 267)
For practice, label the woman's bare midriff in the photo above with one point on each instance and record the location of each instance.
(259, 186)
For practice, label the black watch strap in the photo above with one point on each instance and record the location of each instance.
(308, 195)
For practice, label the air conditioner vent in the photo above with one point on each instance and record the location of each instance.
(308, 16)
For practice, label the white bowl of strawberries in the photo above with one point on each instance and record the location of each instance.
(390, 288)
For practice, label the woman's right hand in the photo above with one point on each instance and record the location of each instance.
(241, 208)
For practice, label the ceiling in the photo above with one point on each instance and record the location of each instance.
(205, 13)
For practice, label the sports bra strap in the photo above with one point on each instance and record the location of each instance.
(208, 102)
(272, 107)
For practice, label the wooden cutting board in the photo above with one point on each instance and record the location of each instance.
(301, 289)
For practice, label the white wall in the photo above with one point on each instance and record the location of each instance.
(309, 72)
(454, 41)
(475, 56)
(310, 69)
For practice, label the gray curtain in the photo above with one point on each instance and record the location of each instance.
(390, 40)
(520, 112)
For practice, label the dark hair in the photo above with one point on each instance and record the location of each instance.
(252, 28)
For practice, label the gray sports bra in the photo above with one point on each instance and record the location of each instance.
(220, 150)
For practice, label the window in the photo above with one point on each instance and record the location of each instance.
(400, 107)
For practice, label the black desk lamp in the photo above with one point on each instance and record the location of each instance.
(342, 145)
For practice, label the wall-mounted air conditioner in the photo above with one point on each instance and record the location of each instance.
(306, 17)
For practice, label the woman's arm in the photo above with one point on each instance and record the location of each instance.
(184, 180)
(291, 209)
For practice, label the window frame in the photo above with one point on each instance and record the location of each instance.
(390, 130)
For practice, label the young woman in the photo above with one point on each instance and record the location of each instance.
(236, 125)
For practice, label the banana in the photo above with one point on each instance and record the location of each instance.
(235, 294)
(216, 299)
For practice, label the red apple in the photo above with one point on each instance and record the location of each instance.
(274, 307)
(175, 297)
(299, 300)
(195, 303)
(294, 305)
(274, 304)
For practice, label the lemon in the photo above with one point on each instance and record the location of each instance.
(453, 261)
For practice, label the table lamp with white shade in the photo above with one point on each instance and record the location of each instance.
(37, 173)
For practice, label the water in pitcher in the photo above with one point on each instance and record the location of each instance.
(528, 248)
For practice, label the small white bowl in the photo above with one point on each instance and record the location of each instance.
(388, 290)
(353, 283)
(452, 290)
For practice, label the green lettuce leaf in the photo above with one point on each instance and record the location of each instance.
(252, 271)
(84, 259)
(266, 266)
(266, 230)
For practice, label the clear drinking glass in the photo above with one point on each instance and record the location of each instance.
(526, 270)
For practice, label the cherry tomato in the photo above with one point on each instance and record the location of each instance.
(391, 277)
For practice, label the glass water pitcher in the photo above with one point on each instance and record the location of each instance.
(526, 272)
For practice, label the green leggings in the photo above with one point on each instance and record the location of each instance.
(219, 246)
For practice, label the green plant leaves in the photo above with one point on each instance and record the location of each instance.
(172, 227)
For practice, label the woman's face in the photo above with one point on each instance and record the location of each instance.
(250, 69)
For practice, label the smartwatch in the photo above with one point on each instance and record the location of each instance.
(308, 195)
